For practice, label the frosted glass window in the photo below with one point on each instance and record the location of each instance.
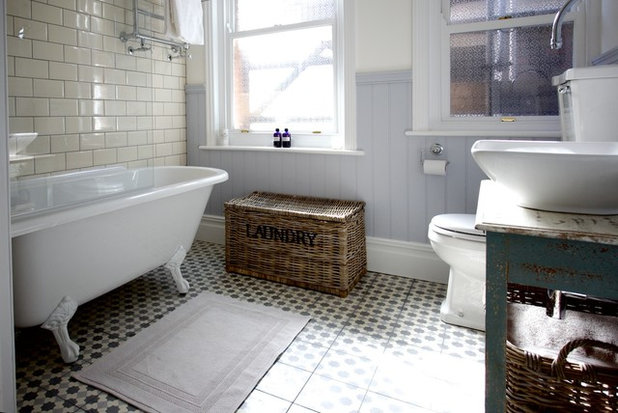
(468, 11)
(485, 67)
(284, 78)
(507, 72)
(256, 14)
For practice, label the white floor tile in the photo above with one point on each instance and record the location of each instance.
(326, 395)
(259, 402)
(304, 355)
(284, 381)
(377, 403)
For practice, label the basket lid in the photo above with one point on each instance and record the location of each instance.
(318, 208)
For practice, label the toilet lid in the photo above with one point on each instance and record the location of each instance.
(459, 223)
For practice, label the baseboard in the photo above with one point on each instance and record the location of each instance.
(212, 229)
(407, 259)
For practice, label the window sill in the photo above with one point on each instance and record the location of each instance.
(313, 151)
(485, 133)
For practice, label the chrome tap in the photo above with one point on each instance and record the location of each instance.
(556, 28)
(143, 47)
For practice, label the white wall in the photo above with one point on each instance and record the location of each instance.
(383, 35)
(383, 39)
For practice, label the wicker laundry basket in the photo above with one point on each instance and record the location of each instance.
(525, 294)
(308, 242)
(539, 382)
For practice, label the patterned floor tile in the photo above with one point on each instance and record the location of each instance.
(464, 343)
(86, 397)
(352, 369)
(40, 400)
(385, 336)
(421, 307)
(390, 290)
(374, 322)
(320, 333)
(355, 342)
(297, 300)
(343, 307)
(37, 359)
(364, 283)
(427, 336)
(405, 352)
(303, 355)
(106, 403)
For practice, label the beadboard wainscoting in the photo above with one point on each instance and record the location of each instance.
(401, 200)
(407, 259)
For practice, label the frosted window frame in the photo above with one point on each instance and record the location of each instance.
(218, 85)
(480, 18)
(279, 15)
(431, 75)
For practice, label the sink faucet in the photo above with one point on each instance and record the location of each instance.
(556, 28)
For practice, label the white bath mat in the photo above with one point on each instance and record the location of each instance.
(205, 356)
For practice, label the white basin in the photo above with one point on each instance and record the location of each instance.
(575, 177)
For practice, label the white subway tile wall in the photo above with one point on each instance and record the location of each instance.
(93, 104)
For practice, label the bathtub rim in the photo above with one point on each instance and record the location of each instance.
(37, 222)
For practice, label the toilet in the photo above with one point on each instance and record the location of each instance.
(455, 240)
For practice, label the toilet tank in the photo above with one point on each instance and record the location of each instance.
(588, 100)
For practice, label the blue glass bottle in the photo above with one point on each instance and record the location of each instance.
(277, 138)
(286, 139)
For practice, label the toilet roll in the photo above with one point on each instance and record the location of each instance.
(434, 167)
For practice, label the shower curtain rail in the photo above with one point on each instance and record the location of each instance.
(180, 49)
(128, 36)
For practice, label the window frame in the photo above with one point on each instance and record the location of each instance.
(431, 72)
(219, 85)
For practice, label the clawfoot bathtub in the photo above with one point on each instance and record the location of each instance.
(79, 235)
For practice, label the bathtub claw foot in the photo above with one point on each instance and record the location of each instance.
(57, 324)
(173, 266)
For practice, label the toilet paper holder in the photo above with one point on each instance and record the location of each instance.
(436, 149)
(432, 161)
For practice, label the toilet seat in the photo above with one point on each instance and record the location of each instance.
(457, 226)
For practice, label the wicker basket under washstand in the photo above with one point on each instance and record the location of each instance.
(564, 363)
